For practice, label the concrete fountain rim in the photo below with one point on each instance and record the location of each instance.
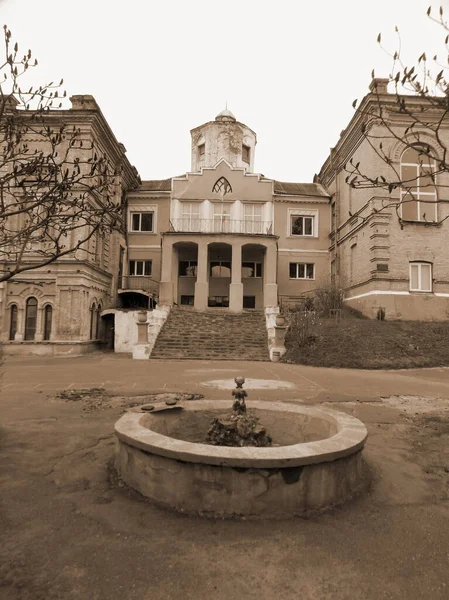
(349, 439)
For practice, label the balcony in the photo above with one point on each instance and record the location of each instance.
(140, 283)
(220, 225)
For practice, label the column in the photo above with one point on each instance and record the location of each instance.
(166, 284)
(236, 285)
(202, 283)
(270, 288)
(39, 335)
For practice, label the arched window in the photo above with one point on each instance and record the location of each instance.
(13, 312)
(48, 315)
(30, 318)
(222, 186)
(98, 323)
(418, 193)
(93, 321)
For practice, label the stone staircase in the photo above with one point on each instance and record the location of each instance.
(212, 335)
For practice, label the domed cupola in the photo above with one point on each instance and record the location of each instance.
(225, 115)
(224, 138)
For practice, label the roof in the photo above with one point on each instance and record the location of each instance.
(156, 185)
(288, 188)
(291, 188)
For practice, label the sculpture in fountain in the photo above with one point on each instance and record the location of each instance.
(238, 428)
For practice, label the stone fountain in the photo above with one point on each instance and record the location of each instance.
(201, 458)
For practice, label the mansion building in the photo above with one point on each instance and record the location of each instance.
(222, 237)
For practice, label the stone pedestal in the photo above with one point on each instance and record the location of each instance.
(141, 350)
(278, 349)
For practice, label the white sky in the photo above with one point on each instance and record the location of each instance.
(289, 69)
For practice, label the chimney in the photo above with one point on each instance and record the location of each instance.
(379, 86)
(83, 102)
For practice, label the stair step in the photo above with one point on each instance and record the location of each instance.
(188, 334)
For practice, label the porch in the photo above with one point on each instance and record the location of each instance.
(231, 273)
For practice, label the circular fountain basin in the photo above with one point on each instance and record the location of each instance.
(315, 461)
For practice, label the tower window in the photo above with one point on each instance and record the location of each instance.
(245, 153)
(202, 150)
(222, 186)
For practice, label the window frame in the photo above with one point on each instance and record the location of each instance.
(256, 266)
(295, 213)
(221, 264)
(30, 332)
(13, 322)
(143, 261)
(192, 264)
(305, 278)
(48, 322)
(419, 265)
(141, 209)
(417, 194)
(246, 150)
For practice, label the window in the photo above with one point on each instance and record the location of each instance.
(92, 321)
(222, 186)
(222, 217)
(187, 300)
(251, 269)
(48, 313)
(142, 221)
(220, 269)
(245, 153)
(302, 225)
(252, 215)
(140, 267)
(302, 271)
(201, 150)
(188, 268)
(98, 323)
(30, 318)
(191, 216)
(13, 311)
(420, 277)
(418, 193)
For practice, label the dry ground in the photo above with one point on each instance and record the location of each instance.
(70, 530)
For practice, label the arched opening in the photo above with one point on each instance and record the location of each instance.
(253, 259)
(30, 318)
(92, 321)
(187, 255)
(48, 317)
(13, 314)
(108, 323)
(98, 328)
(219, 271)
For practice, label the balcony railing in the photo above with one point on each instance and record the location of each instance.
(221, 225)
(140, 283)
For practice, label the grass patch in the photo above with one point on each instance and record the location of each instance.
(370, 344)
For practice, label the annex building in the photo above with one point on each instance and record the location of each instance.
(222, 237)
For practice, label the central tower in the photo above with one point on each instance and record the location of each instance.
(224, 138)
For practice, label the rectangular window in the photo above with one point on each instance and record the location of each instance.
(245, 153)
(202, 150)
(251, 269)
(191, 216)
(302, 271)
(252, 216)
(140, 267)
(222, 217)
(220, 269)
(420, 277)
(187, 300)
(302, 225)
(188, 268)
(142, 221)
